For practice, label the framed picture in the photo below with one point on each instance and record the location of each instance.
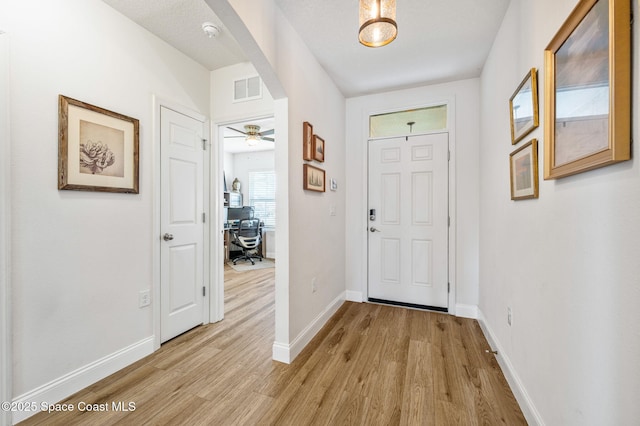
(523, 105)
(314, 178)
(318, 148)
(307, 141)
(97, 148)
(524, 171)
(588, 90)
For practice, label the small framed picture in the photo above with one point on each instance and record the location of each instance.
(97, 148)
(314, 178)
(318, 148)
(524, 107)
(307, 141)
(524, 171)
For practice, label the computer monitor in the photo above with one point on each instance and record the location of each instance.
(240, 213)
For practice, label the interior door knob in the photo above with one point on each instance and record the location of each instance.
(374, 229)
(167, 237)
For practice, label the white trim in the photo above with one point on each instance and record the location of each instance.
(62, 387)
(286, 353)
(467, 311)
(6, 373)
(354, 296)
(527, 406)
(157, 103)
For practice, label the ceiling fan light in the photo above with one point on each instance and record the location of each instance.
(377, 22)
(252, 140)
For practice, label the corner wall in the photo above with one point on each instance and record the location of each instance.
(566, 263)
(79, 259)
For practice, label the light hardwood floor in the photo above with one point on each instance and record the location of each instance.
(370, 365)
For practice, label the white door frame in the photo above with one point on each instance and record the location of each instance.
(451, 114)
(217, 231)
(155, 294)
(6, 370)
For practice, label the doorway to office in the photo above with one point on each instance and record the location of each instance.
(249, 197)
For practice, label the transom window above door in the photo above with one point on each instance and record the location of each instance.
(400, 123)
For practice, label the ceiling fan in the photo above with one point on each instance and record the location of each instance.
(252, 134)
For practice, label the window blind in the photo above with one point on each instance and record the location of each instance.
(262, 196)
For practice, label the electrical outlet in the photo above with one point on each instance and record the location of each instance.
(313, 285)
(509, 315)
(144, 298)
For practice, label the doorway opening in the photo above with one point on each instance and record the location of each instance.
(249, 197)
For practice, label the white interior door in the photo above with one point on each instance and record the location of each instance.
(408, 232)
(181, 221)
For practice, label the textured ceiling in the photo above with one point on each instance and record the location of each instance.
(438, 40)
(179, 23)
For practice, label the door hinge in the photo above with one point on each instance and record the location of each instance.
(204, 144)
(204, 291)
(204, 217)
(448, 287)
(449, 221)
(448, 155)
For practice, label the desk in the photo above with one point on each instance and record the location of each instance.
(228, 244)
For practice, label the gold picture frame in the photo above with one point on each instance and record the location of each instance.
(97, 148)
(523, 107)
(588, 90)
(523, 166)
(314, 178)
(307, 141)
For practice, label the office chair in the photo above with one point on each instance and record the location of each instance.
(248, 237)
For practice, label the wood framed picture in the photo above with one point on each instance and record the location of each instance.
(97, 148)
(318, 148)
(524, 171)
(307, 141)
(588, 89)
(523, 106)
(314, 178)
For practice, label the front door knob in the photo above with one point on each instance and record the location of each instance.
(167, 237)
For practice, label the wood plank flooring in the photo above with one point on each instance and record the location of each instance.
(370, 365)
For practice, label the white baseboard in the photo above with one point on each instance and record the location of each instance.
(286, 353)
(467, 311)
(354, 296)
(529, 410)
(67, 385)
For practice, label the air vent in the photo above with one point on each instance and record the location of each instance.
(247, 89)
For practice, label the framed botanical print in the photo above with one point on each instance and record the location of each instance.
(314, 178)
(307, 141)
(97, 148)
(318, 148)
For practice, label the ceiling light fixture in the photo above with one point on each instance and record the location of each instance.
(211, 30)
(252, 137)
(377, 22)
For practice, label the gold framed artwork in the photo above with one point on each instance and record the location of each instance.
(523, 166)
(314, 178)
(97, 148)
(307, 141)
(318, 148)
(588, 89)
(523, 107)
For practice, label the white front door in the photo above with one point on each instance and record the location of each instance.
(181, 221)
(409, 220)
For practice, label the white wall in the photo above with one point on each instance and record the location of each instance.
(244, 163)
(80, 258)
(223, 108)
(464, 96)
(566, 263)
(312, 246)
